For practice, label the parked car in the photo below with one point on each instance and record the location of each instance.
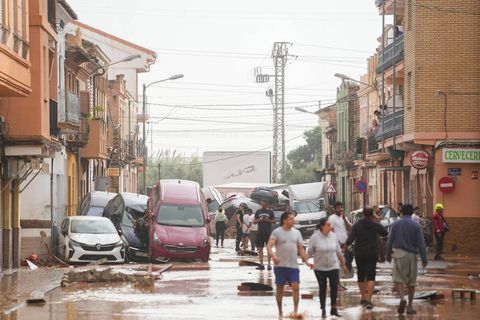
(179, 220)
(127, 211)
(387, 218)
(93, 203)
(263, 193)
(87, 239)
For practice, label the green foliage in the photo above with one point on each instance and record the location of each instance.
(302, 175)
(170, 164)
(303, 158)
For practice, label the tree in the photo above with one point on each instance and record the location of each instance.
(303, 159)
(168, 164)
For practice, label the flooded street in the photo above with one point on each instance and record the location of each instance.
(198, 290)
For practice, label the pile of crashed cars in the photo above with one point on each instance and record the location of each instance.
(108, 226)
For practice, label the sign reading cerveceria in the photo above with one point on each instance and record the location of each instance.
(461, 155)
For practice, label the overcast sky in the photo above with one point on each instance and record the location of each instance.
(216, 44)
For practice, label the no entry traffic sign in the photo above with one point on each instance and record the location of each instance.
(361, 186)
(446, 184)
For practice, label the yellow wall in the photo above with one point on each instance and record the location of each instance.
(72, 184)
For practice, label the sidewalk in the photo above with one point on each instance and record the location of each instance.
(17, 285)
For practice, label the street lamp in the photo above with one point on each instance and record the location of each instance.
(174, 77)
(303, 110)
(345, 77)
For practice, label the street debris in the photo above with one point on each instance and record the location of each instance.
(143, 275)
(425, 294)
(471, 292)
(51, 255)
(244, 263)
(31, 265)
(254, 286)
(247, 253)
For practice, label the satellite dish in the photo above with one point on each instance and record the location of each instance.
(379, 3)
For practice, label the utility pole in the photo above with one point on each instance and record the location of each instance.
(277, 97)
(279, 56)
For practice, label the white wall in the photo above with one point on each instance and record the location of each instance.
(231, 166)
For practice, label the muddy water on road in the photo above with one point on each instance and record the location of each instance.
(208, 291)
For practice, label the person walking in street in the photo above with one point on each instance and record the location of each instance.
(288, 244)
(264, 218)
(253, 234)
(404, 242)
(247, 223)
(341, 227)
(239, 218)
(439, 230)
(325, 249)
(365, 233)
(221, 223)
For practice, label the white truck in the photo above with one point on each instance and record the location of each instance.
(309, 200)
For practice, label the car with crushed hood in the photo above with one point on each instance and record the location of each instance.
(127, 211)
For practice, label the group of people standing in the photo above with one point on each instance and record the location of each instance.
(328, 246)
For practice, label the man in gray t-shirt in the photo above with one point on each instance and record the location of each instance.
(288, 246)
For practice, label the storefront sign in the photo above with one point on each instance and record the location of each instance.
(446, 184)
(461, 155)
(419, 159)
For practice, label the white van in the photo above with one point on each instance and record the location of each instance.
(308, 200)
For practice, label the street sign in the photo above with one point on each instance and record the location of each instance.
(331, 188)
(453, 172)
(446, 184)
(361, 185)
(419, 159)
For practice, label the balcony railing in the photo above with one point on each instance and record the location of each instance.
(73, 108)
(386, 57)
(390, 125)
(61, 106)
(372, 144)
(329, 164)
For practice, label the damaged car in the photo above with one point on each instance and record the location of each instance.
(127, 212)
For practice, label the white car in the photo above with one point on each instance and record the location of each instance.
(87, 239)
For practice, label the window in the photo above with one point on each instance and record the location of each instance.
(2, 13)
(409, 15)
(409, 89)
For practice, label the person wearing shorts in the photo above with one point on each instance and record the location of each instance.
(264, 218)
(404, 241)
(288, 244)
(365, 233)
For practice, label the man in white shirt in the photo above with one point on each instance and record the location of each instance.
(341, 227)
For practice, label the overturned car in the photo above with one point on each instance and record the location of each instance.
(127, 212)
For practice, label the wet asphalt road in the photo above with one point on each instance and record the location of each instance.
(196, 290)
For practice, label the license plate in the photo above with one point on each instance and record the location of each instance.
(141, 254)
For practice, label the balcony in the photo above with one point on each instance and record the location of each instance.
(391, 125)
(339, 150)
(389, 6)
(372, 144)
(329, 164)
(386, 57)
(73, 109)
(96, 147)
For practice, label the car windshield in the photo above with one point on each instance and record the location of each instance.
(180, 215)
(388, 213)
(95, 211)
(306, 206)
(93, 227)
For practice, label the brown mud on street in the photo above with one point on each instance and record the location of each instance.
(196, 290)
